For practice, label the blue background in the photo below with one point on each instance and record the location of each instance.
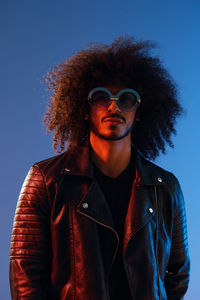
(36, 34)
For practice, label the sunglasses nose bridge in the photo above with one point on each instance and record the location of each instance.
(114, 98)
(113, 104)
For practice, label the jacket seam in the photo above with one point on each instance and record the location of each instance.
(73, 253)
(44, 179)
(157, 234)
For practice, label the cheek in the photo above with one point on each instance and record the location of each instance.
(94, 117)
(130, 117)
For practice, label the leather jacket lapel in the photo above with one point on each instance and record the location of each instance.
(139, 212)
(142, 205)
(90, 201)
(95, 206)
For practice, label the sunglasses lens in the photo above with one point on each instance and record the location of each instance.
(127, 101)
(100, 98)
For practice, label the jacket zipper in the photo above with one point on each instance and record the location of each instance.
(157, 224)
(115, 253)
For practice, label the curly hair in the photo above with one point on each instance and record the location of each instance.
(126, 62)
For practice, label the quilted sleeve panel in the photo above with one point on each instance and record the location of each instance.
(177, 273)
(30, 251)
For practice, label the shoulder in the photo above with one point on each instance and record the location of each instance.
(165, 182)
(151, 173)
(166, 175)
(51, 160)
(51, 167)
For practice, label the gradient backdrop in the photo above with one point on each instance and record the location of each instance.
(36, 34)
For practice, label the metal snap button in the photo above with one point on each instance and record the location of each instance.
(150, 210)
(85, 205)
(67, 170)
(159, 179)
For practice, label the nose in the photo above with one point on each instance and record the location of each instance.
(113, 107)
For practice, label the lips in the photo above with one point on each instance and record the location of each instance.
(113, 119)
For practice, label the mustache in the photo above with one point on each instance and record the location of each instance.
(115, 115)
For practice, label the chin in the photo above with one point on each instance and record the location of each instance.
(113, 137)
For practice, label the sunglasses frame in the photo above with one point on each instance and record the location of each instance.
(115, 97)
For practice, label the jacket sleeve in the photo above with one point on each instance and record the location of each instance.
(30, 251)
(177, 273)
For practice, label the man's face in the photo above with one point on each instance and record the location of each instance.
(111, 123)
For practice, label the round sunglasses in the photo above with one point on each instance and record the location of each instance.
(126, 99)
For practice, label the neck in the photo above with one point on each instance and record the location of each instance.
(111, 157)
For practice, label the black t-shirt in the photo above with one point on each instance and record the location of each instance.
(117, 193)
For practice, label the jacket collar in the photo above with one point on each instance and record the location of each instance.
(147, 173)
(78, 163)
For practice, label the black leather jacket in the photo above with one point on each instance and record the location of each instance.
(57, 251)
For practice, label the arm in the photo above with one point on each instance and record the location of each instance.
(30, 243)
(177, 273)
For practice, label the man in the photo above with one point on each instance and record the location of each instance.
(100, 221)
